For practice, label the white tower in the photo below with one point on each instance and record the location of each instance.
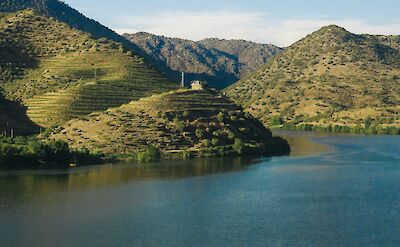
(183, 80)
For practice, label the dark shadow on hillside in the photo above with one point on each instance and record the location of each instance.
(13, 117)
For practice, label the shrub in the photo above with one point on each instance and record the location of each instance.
(22, 151)
(231, 135)
(221, 117)
(215, 141)
(367, 123)
(276, 120)
(238, 146)
(150, 154)
(222, 151)
(199, 133)
(206, 143)
(178, 124)
(187, 155)
(185, 114)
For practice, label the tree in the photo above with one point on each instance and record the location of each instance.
(57, 152)
(206, 143)
(367, 123)
(185, 114)
(151, 153)
(221, 117)
(178, 124)
(276, 120)
(199, 133)
(215, 141)
(238, 146)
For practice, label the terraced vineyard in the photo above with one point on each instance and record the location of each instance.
(60, 73)
(201, 122)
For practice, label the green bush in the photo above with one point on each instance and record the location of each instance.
(28, 151)
(215, 141)
(238, 146)
(221, 117)
(199, 133)
(276, 120)
(187, 155)
(178, 124)
(150, 154)
(367, 123)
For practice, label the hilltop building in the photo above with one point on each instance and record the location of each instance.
(198, 85)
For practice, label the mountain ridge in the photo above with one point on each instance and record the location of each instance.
(217, 61)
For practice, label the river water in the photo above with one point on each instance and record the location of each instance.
(334, 190)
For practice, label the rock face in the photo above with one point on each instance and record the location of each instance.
(331, 77)
(202, 122)
(219, 62)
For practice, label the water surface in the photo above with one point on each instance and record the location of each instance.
(333, 191)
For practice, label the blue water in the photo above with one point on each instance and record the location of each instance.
(347, 194)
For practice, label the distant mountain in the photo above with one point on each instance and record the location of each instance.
(58, 72)
(250, 55)
(219, 62)
(331, 77)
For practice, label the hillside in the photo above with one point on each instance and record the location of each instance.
(13, 119)
(60, 73)
(250, 55)
(219, 62)
(331, 77)
(64, 13)
(199, 122)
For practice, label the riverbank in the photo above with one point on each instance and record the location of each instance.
(366, 129)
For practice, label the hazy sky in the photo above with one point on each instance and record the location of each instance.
(279, 22)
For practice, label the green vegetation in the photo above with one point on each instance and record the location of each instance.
(238, 146)
(330, 78)
(150, 154)
(358, 129)
(22, 152)
(219, 62)
(276, 120)
(181, 123)
(60, 73)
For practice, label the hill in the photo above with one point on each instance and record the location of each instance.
(64, 13)
(331, 77)
(184, 121)
(219, 62)
(60, 73)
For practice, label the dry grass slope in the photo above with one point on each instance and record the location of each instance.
(331, 77)
(178, 121)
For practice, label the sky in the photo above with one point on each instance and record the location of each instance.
(279, 22)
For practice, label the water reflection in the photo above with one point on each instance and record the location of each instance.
(304, 143)
(19, 186)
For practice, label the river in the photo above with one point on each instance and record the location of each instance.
(334, 190)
